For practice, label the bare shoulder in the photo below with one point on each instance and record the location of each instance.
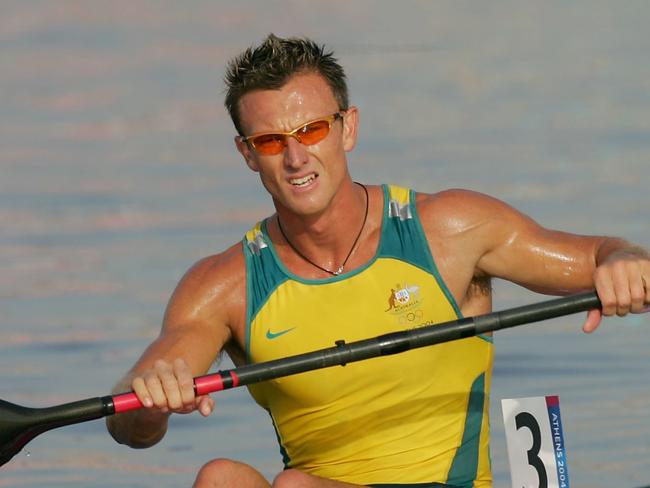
(458, 200)
(202, 316)
(211, 294)
(227, 266)
(462, 227)
(457, 211)
(472, 230)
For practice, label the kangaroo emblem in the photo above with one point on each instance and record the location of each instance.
(391, 300)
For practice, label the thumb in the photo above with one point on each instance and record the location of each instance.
(205, 405)
(592, 321)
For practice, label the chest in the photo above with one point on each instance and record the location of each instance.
(389, 295)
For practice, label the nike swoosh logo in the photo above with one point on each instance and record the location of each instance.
(275, 335)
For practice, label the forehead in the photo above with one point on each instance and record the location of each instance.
(304, 97)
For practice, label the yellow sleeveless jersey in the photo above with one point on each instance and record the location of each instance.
(416, 417)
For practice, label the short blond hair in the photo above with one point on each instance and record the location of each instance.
(270, 65)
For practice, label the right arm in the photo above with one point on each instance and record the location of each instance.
(197, 325)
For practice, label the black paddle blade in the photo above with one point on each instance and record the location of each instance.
(19, 425)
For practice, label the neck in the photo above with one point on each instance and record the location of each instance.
(325, 228)
(326, 241)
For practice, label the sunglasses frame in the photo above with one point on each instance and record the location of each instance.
(330, 119)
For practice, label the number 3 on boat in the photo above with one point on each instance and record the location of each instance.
(535, 442)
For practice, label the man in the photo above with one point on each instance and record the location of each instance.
(340, 260)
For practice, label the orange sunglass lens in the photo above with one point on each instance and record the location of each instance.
(269, 143)
(309, 134)
(314, 132)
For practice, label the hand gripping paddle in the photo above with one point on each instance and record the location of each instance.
(19, 425)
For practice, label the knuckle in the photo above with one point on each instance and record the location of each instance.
(174, 403)
(161, 365)
(150, 378)
(624, 301)
(169, 384)
(609, 311)
(186, 383)
(608, 303)
(150, 382)
(160, 401)
(623, 306)
(179, 363)
(637, 295)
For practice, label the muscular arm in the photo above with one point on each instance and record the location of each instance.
(197, 324)
(547, 261)
(479, 236)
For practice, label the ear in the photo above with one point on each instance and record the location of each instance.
(350, 128)
(246, 151)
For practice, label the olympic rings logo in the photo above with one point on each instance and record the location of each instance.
(410, 317)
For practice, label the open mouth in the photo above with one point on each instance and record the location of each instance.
(304, 181)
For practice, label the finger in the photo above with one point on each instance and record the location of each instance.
(155, 388)
(169, 382)
(622, 276)
(185, 382)
(637, 293)
(605, 288)
(205, 405)
(592, 321)
(141, 390)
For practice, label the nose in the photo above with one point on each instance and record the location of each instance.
(295, 154)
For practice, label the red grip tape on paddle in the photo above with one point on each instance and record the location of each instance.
(202, 386)
(126, 402)
(207, 384)
(213, 382)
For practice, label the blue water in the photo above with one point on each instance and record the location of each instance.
(118, 171)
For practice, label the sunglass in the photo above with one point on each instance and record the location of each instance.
(269, 143)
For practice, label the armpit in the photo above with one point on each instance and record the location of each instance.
(479, 286)
(478, 298)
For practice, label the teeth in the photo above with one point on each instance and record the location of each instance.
(302, 181)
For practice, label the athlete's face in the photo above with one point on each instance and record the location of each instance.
(301, 178)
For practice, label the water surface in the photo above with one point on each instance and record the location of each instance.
(117, 172)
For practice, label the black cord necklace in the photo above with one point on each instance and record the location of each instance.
(354, 244)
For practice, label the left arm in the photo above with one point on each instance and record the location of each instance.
(558, 262)
(482, 236)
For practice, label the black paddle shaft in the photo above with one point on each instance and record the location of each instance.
(396, 342)
(19, 425)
